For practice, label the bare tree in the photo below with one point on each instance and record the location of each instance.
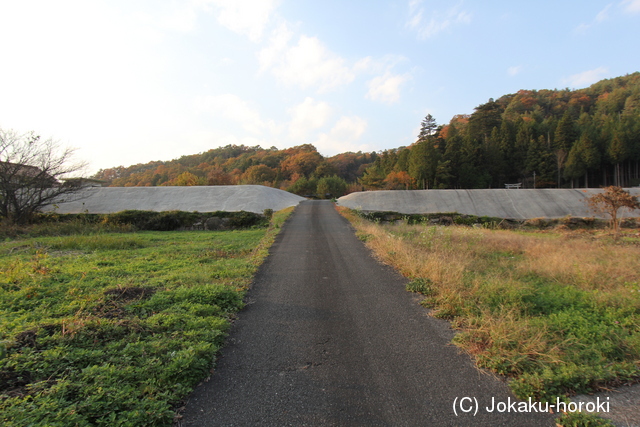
(611, 201)
(30, 172)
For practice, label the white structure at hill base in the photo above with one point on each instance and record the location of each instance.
(499, 203)
(229, 198)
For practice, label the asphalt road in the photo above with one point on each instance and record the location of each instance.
(330, 337)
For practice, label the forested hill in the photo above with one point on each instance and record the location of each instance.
(587, 137)
(299, 169)
(547, 138)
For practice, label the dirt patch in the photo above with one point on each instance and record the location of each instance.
(26, 339)
(129, 293)
(117, 298)
(13, 384)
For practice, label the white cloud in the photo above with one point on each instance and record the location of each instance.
(582, 28)
(343, 136)
(587, 78)
(386, 88)
(278, 45)
(602, 16)
(427, 25)
(632, 6)
(307, 64)
(515, 70)
(308, 116)
(247, 17)
(234, 108)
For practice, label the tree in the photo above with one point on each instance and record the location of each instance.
(540, 162)
(30, 172)
(187, 179)
(427, 127)
(565, 136)
(611, 201)
(398, 181)
(303, 163)
(372, 178)
(259, 174)
(303, 186)
(331, 186)
(618, 151)
(423, 161)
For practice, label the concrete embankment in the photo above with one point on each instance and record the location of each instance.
(500, 203)
(229, 198)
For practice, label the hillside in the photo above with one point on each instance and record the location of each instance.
(298, 169)
(548, 138)
(540, 138)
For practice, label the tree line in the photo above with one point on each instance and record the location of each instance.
(301, 170)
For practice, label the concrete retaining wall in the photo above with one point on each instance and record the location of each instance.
(229, 198)
(500, 203)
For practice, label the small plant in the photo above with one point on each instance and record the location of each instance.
(580, 419)
(610, 202)
(421, 286)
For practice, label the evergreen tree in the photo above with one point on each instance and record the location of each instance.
(372, 178)
(453, 154)
(423, 162)
(564, 138)
(540, 161)
(494, 159)
(427, 127)
(402, 165)
(331, 186)
(484, 119)
(618, 152)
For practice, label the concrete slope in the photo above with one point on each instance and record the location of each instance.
(330, 337)
(500, 203)
(230, 198)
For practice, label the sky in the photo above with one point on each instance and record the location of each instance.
(132, 81)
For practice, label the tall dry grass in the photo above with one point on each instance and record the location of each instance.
(559, 313)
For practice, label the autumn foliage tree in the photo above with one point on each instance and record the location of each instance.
(398, 180)
(611, 201)
(259, 174)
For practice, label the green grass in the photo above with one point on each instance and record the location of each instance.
(114, 329)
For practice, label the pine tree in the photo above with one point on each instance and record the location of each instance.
(427, 127)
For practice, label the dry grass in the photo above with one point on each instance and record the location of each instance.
(559, 311)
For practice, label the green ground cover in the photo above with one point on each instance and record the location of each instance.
(116, 328)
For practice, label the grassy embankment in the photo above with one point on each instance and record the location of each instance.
(557, 312)
(115, 329)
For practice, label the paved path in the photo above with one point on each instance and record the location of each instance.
(331, 338)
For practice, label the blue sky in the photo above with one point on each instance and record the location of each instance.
(130, 81)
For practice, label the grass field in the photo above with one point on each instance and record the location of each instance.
(115, 329)
(557, 312)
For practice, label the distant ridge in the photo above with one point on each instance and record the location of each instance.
(229, 198)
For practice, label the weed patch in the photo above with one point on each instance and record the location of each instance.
(115, 329)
